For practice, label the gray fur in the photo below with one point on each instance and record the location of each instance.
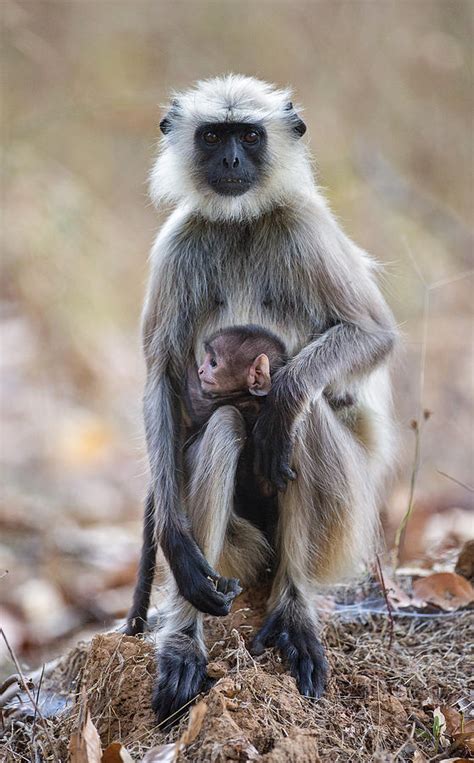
(277, 258)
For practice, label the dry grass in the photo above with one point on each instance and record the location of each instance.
(378, 706)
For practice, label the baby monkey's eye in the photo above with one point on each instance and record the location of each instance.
(210, 138)
(213, 363)
(251, 137)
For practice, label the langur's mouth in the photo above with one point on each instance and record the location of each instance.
(231, 186)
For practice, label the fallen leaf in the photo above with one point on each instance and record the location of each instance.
(418, 757)
(464, 741)
(116, 753)
(465, 562)
(196, 718)
(454, 760)
(164, 753)
(84, 745)
(396, 595)
(453, 719)
(168, 753)
(446, 590)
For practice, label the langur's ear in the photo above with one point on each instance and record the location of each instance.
(297, 124)
(166, 124)
(258, 379)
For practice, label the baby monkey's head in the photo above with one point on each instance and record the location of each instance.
(240, 359)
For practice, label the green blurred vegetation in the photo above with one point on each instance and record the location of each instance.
(387, 91)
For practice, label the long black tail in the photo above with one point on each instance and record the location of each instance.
(137, 616)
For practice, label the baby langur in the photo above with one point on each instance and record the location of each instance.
(237, 370)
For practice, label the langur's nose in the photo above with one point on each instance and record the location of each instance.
(231, 162)
(201, 371)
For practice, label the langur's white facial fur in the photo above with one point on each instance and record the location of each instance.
(176, 178)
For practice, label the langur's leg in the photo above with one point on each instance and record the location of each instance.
(137, 617)
(326, 526)
(211, 464)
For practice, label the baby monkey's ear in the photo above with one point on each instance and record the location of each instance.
(258, 379)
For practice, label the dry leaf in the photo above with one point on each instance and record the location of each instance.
(446, 590)
(84, 745)
(196, 718)
(418, 757)
(464, 741)
(454, 760)
(168, 753)
(164, 753)
(116, 753)
(396, 595)
(453, 719)
(465, 562)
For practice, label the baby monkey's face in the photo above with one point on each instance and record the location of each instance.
(223, 373)
(217, 376)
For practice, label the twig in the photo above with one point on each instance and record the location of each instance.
(8, 690)
(423, 416)
(391, 629)
(417, 428)
(29, 694)
(33, 732)
(458, 482)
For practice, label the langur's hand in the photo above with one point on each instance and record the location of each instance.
(197, 581)
(273, 448)
(205, 589)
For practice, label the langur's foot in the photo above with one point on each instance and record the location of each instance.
(181, 677)
(299, 646)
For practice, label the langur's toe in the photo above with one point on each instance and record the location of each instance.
(307, 663)
(299, 646)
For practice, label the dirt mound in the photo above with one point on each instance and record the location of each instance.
(378, 705)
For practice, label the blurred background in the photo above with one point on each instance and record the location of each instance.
(387, 91)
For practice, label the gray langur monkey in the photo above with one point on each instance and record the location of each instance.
(252, 241)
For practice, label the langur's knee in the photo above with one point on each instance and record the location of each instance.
(226, 421)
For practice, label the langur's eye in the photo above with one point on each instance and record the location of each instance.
(213, 363)
(210, 138)
(251, 137)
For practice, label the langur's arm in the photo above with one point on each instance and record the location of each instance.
(167, 334)
(344, 351)
(352, 347)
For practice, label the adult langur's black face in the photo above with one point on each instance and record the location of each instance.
(231, 156)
